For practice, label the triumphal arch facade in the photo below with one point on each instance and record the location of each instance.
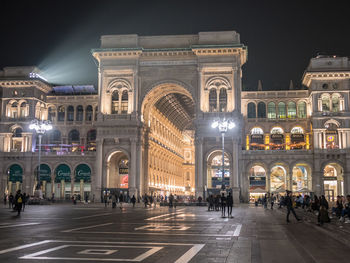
(158, 96)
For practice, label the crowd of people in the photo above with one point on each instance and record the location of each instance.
(220, 203)
(317, 205)
(16, 202)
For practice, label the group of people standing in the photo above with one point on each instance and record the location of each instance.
(16, 202)
(120, 199)
(218, 203)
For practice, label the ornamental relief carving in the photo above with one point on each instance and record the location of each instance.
(218, 82)
(118, 84)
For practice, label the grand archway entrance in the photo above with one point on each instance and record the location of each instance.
(168, 113)
(333, 182)
(117, 173)
(214, 170)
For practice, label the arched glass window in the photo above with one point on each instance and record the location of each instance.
(88, 113)
(55, 137)
(281, 110)
(223, 100)
(124, 104)
(51, 114)
(297, 130)
(17, 132)
(115, 101)
(271, 110)
(70, 113)
(73, 137)
(212, 100)
(325, 102)
(335, 102)
(257, 130)
(14, 110)
(91, 140)
(61, 113)
(292, 110)
(96, 112)
(301, 109)
(251, 110)
(261, 110)
(80, 113)
(23, 109)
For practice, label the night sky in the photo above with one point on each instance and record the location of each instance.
(281, 36)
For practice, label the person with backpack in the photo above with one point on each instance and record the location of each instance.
(19, 202)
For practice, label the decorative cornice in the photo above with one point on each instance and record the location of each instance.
(25, 83)
(309, 75)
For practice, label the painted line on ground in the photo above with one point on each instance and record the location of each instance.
(153, 233)
(237, 231)
(190, 254)
(83, 217)
(26, 224)
(143, 256)
(164, 215)
(185, 258)
(24, 246)
(86, 227)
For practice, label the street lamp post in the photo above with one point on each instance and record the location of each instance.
(40, 128)
(223, 125)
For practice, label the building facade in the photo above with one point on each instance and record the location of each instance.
(147, 127)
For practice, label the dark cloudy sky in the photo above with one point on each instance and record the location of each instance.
(281, 35)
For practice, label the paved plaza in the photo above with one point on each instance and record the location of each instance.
(93, 233)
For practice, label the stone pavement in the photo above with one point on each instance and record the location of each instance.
(93, 233)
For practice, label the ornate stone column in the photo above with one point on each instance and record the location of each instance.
(199, 167)
(97, 177)
(317, 182)
(234, 179)
(133, 170)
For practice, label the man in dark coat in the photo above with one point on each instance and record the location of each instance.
(289, 204)
(229, 202)
(223, 204)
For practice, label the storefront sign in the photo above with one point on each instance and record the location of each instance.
(257, 138)
(62, 173)
(257, 182)
(83, 172)
(295, 138)
(15, 173)
(123, 170)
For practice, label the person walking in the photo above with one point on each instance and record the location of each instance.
(289, 204)
(105, 199)
(273, 198)
(145, 200)
(121, 200)
(323, 216)
(24, 201)
(114, 201)
(18, 202)
(223, 205)
(11, 200)
(5, 199)
(229, 202)
(133, 200)
(171, 200)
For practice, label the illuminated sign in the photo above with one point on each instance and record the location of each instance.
(330, 138)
